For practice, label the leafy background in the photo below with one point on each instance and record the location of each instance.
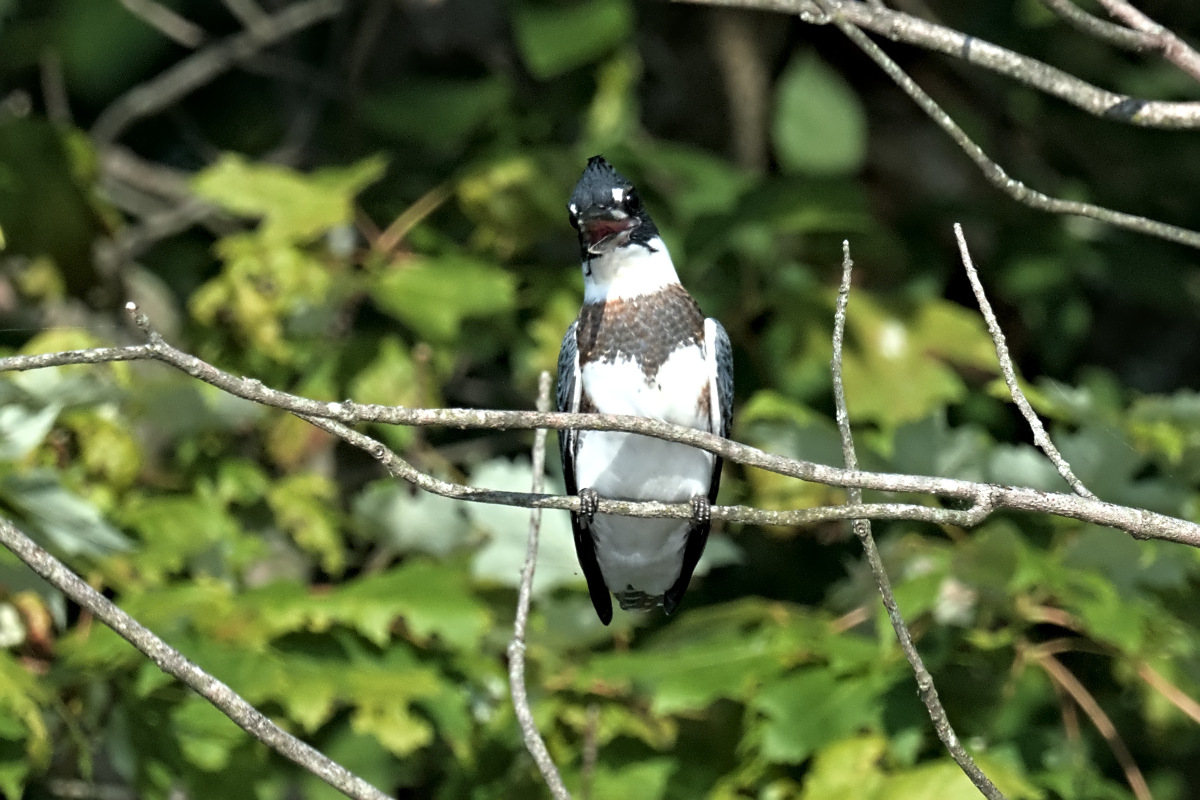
(372, 620)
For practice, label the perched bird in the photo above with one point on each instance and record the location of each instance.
(640, 346)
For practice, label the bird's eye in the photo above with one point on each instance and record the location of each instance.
(632, 201)
(573, 210)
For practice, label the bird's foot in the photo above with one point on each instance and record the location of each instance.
(589, 502)
(701, 509)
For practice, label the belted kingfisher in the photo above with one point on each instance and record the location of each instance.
(640, 346)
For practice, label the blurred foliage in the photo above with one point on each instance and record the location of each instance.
(408, 244)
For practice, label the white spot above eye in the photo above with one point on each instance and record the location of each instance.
(618, 194)
(574, 209)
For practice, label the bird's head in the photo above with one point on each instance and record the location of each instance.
(607, 212)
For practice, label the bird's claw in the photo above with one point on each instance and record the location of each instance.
(701, 509)
(589, 502)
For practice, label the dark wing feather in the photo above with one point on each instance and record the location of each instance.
(724, 398)
(568, 443)
(697, 537)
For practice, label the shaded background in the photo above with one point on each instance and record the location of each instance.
(374, 209)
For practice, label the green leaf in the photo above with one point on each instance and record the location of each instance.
(820, 127)
(22, 429)
(303, 506)
(293, 206)
(514, 201)
(21, 713)
(174, 530)
(438, 113)
(849, 768)
(411, 520)
(555, 37)
(695, 182)
(206, 736)
(507, 529)
(107, 446)
(898, 367)
(434, 296)
(813, 707)
(645, 780)
(57, 516)
(359, 753)
(712, 653)
(431, 599)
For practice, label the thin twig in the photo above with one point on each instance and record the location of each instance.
(1040, 437)
(1063, 676)
(993, 171)
(901, 27)
(408, 219)
(862, 529)
(591, 750)
(54, 88)
(516, 648)
(167, 22)
(248, 12)
(69, 789)
(172, 662)
(985, 498)
(1174, 49)
(202, 66)
(1176, 696)
(737, 49)
(398, 467)
(1092, 25)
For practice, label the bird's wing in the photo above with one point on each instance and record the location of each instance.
(718, 358)
(570, 389)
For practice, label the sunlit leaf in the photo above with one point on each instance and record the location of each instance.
(846, 768)
(293, 206)
(22, 429)
(302, 505)
(507, 529)
(411, 520)
(819, 125)
(645, 780)
(555, 37)
(813, 707)
(434, 296)
(59, 517)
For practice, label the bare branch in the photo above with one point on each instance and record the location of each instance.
(591, 750)
(1063, 677)
(167, 22)
(85, 790)
(862, 529)
(1176, 696)
(516, 648)
(397, 467)
(901, 27)
(993, 171)
(54, 88)
(1117, 35)
(248, 12)
(737, 49)
(201, 67)
(172, 662)
(985, 497)
(1040, 437)
(412, 216)
(1174, 49)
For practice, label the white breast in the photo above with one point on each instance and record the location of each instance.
(641, 553)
